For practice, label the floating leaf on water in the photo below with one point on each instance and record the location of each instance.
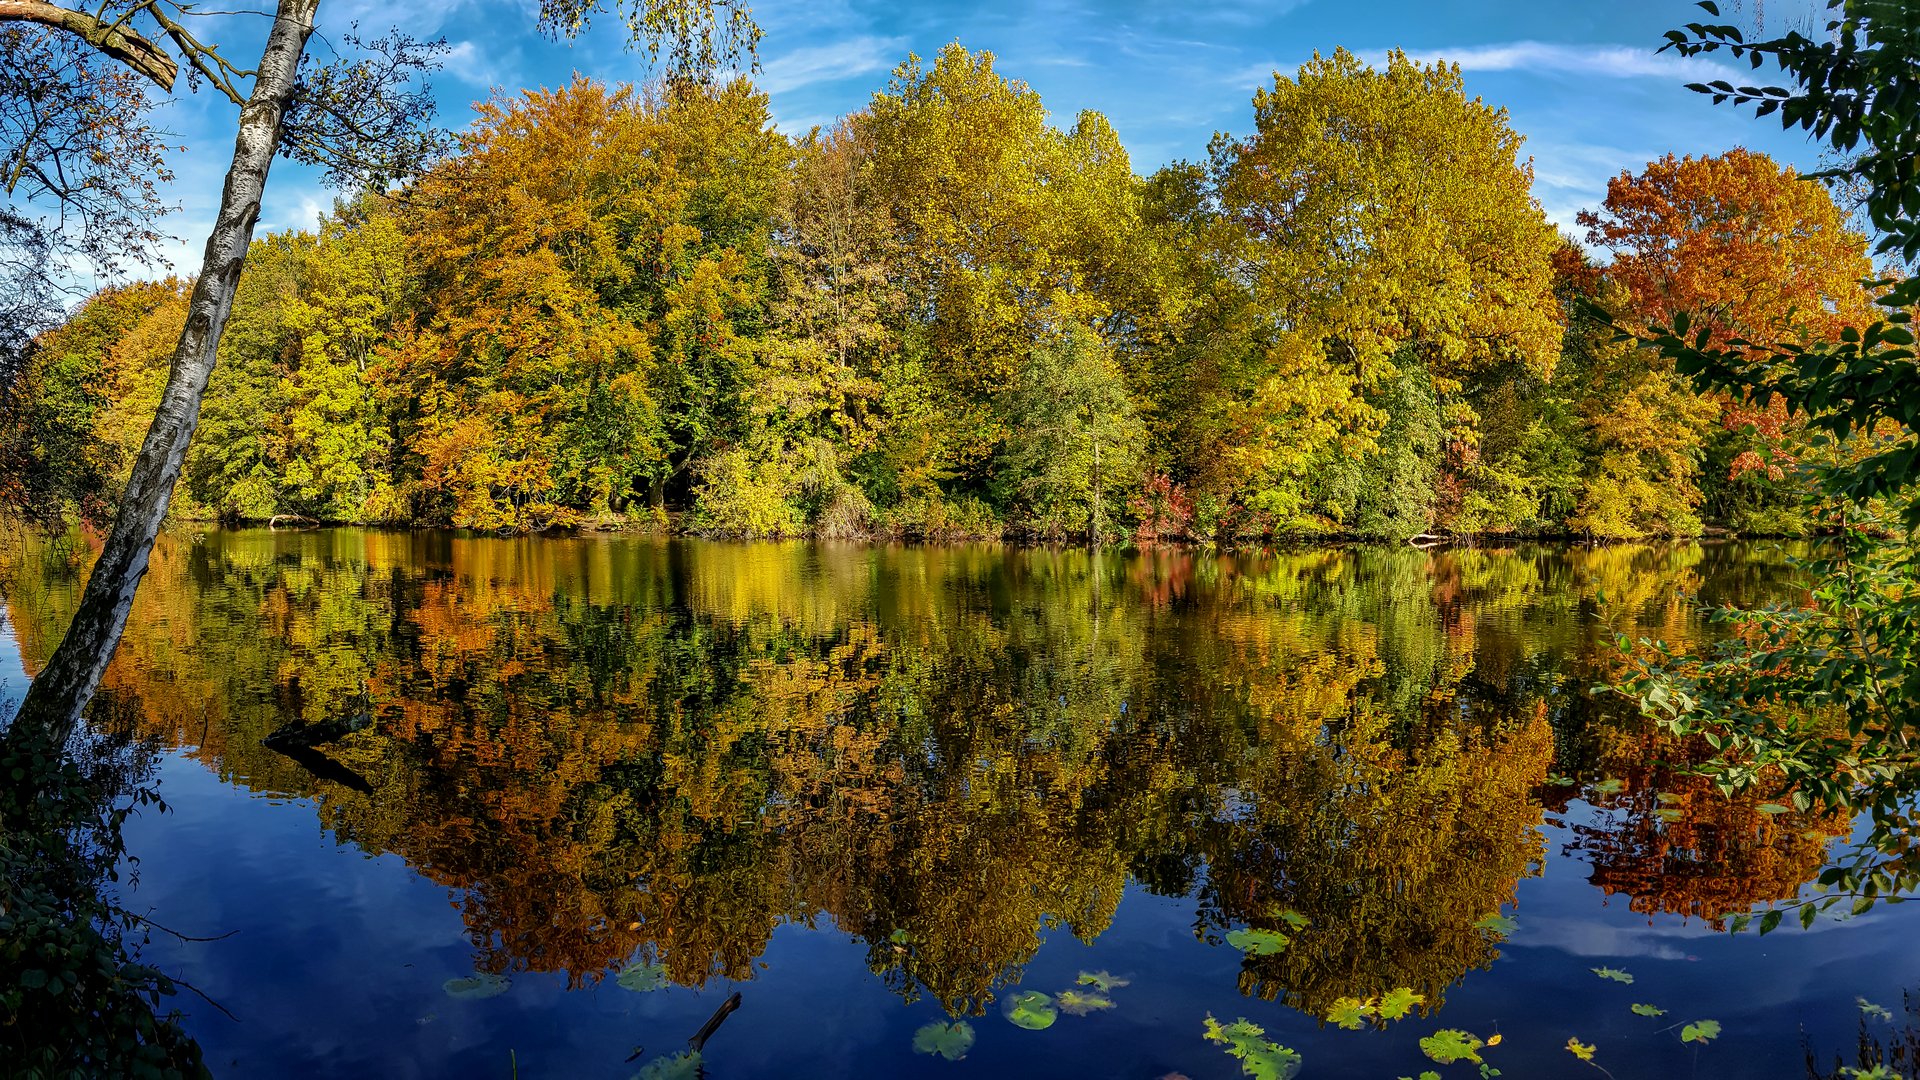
(900, 937)
(1032, 1010)
(1082, 1002)
(1397, 1003)
(1648, 1010)
(1583, 1051)
(1259, 1058)
(480, 984)
(1255, 942)
(1615, 974)
(1666, 797)
(1869, 1009)
(1700, 1031)
(950, 1041)
(1449, 1045)
(1609, 787)
(1561, 781)
(643, 978)
(1100, 980)
(1494, 1039)
(1497, 923)
(684, 1065)
(1668, 813)
(1351, 1013)
(1773, 808)
(1294, 919)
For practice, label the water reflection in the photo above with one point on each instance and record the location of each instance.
(618, 751)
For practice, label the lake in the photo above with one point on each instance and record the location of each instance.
(460, 806)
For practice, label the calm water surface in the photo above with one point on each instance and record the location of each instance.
(871, 789)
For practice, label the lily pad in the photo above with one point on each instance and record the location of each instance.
(1100, 980)
(950, 1041)
(480, 984)
(1497, 923)
(684, 1065)
(1869, 1009)
(1256, 942)
(1609, 787)
(1649, 1010)
(1082, 1002)
(643, 978)
(1259, 1058)
(1398, 1002)
(1294, 919)
(1614, 974)
(1449, 1045)
(1700, 1031)
(1032, 1010)
(1351, 1013)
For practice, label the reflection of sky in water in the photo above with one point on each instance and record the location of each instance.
(332, 951)
(13, 673)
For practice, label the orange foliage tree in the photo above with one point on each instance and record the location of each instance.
(1748, 248)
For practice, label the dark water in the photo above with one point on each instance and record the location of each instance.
(874, 788)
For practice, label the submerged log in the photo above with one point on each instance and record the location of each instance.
(309, 736)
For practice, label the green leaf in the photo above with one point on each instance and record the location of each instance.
(643, 978)
(1869, 1009)
(1497, 923)
(1256, 942)
(1449, 1045)
(1259, 1058)
(1294, 919)
(1350, 1013)
(950, 1041)
(1032, 1010)
(1101, 980)
(480, 984)
(1700, 1031)
(900, 937)
(684, 1065)
(1615, 974)
(1649, 1010)
(1082, 1002)
(1609, 787)
(1397, 1003)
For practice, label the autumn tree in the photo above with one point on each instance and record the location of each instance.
(1750, 250)
(1005, 226)
(362, 120)
(1372, 212)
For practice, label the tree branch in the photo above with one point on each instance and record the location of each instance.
(112, 39)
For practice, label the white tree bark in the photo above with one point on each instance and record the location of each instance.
(57, 697)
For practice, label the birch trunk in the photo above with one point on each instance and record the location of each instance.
(57, 697)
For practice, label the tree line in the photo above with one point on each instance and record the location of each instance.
(947, 317)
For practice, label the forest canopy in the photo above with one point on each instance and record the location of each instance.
(948, 316)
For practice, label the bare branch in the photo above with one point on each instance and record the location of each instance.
(111, 38)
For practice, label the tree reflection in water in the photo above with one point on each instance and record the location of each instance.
(615, 752)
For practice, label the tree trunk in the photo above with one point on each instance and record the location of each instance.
(56, 699)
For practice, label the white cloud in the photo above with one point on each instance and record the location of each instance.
(830, 63)
(1533, 58)
(1574, 60)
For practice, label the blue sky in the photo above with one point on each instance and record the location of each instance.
(1581, 79)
